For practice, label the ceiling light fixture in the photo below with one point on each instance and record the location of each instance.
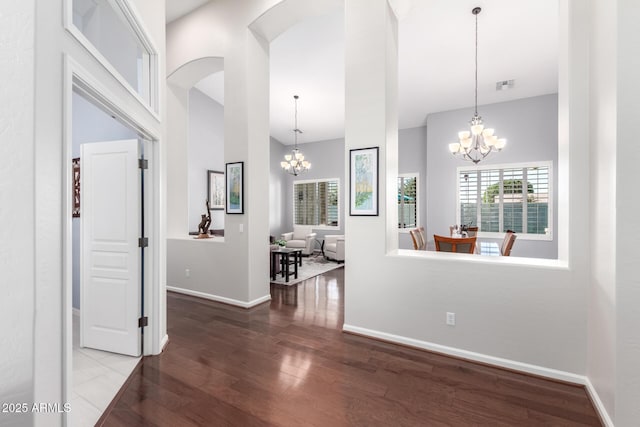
(477, 144)
(295, 163)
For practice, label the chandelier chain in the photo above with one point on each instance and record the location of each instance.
(476, 100)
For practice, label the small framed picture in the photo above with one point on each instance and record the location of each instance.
(75, 211)
(235, 187)
(215, 190)
(363, 182)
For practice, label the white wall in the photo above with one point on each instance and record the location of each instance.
(603, 111)
(627, 226)
(17, 207)
(614, 319)
(89, 124)
(532, 314)
(531, 128)
(277, 190)
(206, 152)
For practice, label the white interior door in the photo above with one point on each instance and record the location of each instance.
(109, 254)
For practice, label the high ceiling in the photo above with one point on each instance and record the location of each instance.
(178, 8)
(517, 40)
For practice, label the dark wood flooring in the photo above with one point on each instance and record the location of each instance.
(287, 363)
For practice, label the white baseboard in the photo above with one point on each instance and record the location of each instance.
(163, 342)
(597, 402)
(470, 355)
(217, 298)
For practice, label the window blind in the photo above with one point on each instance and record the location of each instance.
(511, 198)
(407, 202)
(316, 203)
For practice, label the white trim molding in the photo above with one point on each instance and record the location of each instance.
(469, 355)
(163, 342)
(217, 298)
(597, 403)
(499, 362)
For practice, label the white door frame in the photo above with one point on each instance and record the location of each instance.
(75, 76)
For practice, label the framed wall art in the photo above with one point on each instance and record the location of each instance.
(363, 181)
(234, 188)
(75, 209)
(215, 190)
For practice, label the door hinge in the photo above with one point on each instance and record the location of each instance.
(143, 321)
(143, 164)
(143, 242)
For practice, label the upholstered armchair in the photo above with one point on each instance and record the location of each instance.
(334, 246)
(301, 237)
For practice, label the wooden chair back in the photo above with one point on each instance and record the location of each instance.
(507, 243)
(465, 245)
(417, 237)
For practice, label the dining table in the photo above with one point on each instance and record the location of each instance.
(483, 247)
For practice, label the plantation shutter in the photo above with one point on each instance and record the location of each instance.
(316, 203)
(513, 198)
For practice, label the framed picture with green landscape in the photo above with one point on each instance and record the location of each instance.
(235, 187)
(363, 182)
(215, 189)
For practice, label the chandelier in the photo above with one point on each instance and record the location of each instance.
(476, 144)
(295, 163)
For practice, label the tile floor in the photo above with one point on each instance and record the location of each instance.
(97, 377)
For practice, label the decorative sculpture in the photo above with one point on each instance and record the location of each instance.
(205, 223)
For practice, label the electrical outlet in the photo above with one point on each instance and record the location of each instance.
(241, 228)
(187, 272)
(451, 319)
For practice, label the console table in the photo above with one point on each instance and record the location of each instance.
(286, 255)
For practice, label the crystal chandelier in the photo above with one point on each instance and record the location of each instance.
(478, 143)
(295, 163)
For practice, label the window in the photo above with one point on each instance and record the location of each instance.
(316, 203)
(408, 201)
(513, 197)
(112, 33)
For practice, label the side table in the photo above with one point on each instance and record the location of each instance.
(285, 259)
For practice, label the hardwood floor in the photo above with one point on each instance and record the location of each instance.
(287, 363)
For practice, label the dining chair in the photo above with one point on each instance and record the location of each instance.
(417, 237)
(507, 243)
(472, 231)
(465, 245)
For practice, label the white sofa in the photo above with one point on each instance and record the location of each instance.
(301, 237)
(334, 247)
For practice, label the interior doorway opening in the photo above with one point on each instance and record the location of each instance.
(97, 375)
(91, 113)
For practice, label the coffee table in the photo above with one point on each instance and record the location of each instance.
(285, 260)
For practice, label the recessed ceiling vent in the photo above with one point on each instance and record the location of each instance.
(505, 84)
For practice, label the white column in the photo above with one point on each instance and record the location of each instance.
(247, 140)
(627, 204)
(177, 145)
(371, 92)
